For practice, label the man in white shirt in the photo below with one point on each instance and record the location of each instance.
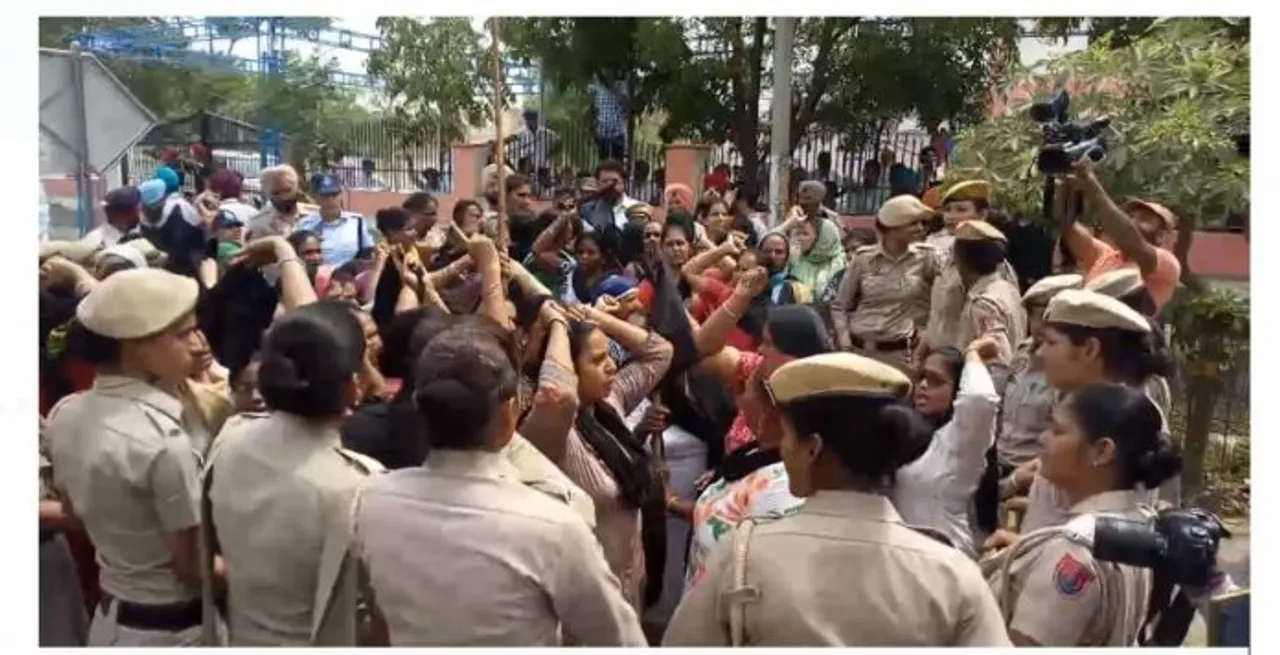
(123, 207)
(535, 143)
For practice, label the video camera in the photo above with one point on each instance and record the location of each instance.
(1065, 141)
(1180, 544)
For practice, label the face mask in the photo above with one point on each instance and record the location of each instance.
(285, 205)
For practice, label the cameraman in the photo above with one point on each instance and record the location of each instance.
(1140, 232)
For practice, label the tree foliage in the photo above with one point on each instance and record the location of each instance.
(302, 101)
(1176, 98)
(438, 74)
(706, 75)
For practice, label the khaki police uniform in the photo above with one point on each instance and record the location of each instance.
(460, 552)
(1027, 407)
(537, 471)
(1046, 505)
(993, 307)
(122, 458)
(842, 571)
(280, 490)
(1060, 595)
(882, 300)
(947, 296)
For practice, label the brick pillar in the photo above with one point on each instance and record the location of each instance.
(688, 163)
(468, 164)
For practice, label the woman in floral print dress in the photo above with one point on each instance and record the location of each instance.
(752, 482)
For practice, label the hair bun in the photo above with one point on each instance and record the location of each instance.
(1159, 465)
(281, 371)
(449, 401)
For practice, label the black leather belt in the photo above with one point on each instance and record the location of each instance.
(174, 617)
(881, 346)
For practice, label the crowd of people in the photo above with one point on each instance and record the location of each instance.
(604, 423)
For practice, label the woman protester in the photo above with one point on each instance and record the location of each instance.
(587, 437)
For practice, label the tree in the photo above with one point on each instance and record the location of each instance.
(438, 74)
(302, 101)
(1176, 96)
(706, 75)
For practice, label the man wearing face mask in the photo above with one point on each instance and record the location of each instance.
(281, 216)
(610, 204)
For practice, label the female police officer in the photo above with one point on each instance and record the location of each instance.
(126, 467)
(1105, 440)
(844, 570)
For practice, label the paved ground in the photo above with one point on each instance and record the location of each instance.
(1233, 557)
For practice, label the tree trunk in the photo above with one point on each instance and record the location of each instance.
(1181, 250)
(1201, 398)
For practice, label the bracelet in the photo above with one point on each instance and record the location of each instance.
(286, 260)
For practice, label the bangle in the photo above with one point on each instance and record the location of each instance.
(286, 260)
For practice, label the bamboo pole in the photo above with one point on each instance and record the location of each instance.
(504, 227)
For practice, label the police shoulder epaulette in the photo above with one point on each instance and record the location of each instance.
(549, 488)
(366, 464)
(933, 534)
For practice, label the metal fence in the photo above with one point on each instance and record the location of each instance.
(382, 155)
(568, 151)
(860, 172)
(1227, 454)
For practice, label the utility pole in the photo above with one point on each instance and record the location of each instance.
(780, 132)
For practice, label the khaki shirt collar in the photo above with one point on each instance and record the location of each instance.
(324, 434)
(475, 463)
(128, 388)
(1108, 501)
(852, 504)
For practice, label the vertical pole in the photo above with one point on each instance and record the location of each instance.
(504, 230)
(780, 135)
(84, 181)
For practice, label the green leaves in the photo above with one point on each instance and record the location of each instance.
(1176, 96)
(1211, 331)
(437, 73)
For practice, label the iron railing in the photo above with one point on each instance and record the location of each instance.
(861, 171)
(570, 151)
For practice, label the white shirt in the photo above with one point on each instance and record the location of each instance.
(936, 491)
(619, 213)
(104, 236)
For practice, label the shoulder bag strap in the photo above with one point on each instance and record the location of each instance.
(208, 549)
(741, 593)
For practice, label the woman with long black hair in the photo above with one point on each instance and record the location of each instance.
(588, 438)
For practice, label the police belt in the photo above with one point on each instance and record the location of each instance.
(173, 617)
(892, 345)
